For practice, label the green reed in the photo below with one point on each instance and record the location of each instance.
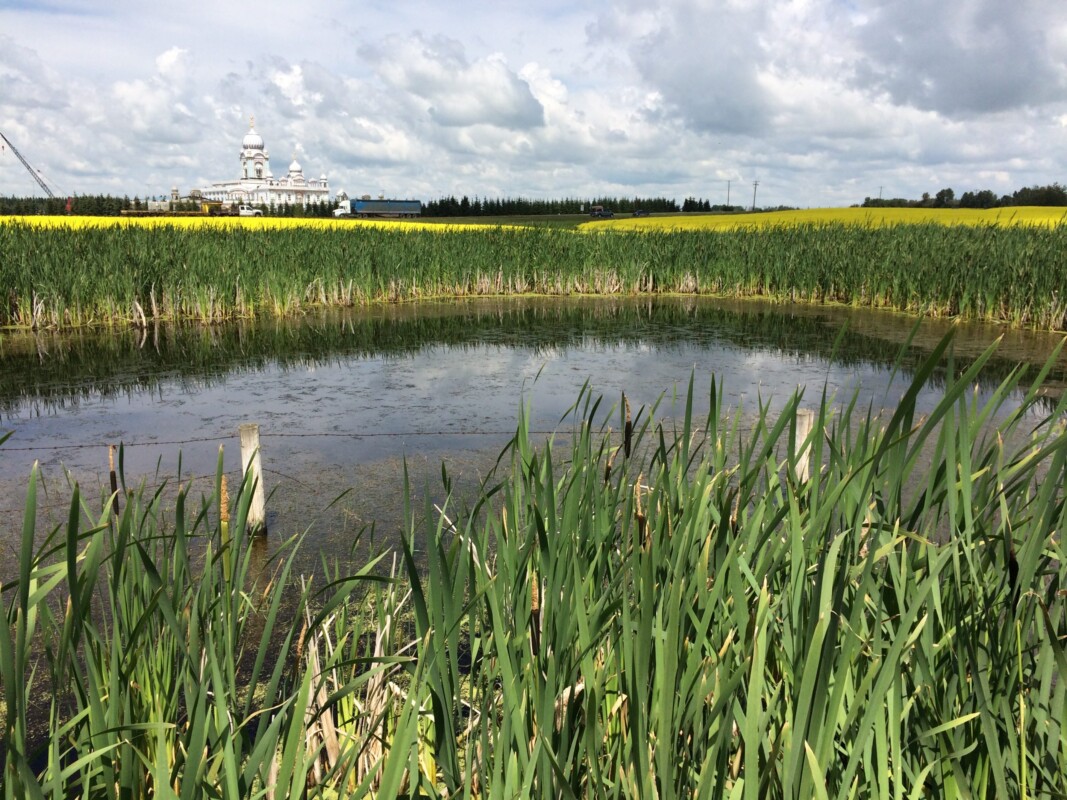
(63, 276)
(643, 606)
(702, 622)
(140, 653)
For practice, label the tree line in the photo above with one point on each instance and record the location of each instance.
(109, 205)
(696, 204)
(1053, 195)
(103, 205)
(515, 206)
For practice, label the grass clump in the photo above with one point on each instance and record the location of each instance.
(673, 611)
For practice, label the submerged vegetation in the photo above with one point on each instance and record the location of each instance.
(675, 609)
(66, 276)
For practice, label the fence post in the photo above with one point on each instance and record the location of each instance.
(250, 460)
(805, 422)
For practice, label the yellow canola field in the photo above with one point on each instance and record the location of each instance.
(254, 223)
(869, 217)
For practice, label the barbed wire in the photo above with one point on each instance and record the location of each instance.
(91, 445)
(187, 479)
(273, 435)
(64, 502)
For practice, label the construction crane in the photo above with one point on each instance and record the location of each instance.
(26, 164)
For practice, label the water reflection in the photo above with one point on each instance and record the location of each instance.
(47, 372)
(347, 400)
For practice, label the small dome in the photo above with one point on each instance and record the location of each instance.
(295, 166)
(252, 140)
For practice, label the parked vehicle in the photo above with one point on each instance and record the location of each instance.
(601, 212)
(366, 207)
(640, 212)
(249, 211)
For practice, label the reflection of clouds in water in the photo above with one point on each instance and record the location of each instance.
(114, 362)
(355, 407)
(542, 355)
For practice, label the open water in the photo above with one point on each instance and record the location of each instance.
(344, 399)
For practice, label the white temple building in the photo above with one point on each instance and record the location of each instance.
(257, 184)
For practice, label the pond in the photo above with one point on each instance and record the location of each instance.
(344, 399)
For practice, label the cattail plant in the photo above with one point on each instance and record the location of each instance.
(70, 275)
(686, 620)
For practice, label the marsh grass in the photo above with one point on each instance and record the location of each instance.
(708, 625)
(162, 657)
(130, 275)
(688, 618)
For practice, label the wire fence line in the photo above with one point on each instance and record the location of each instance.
(165, 479)
(172, 479)
(275, 435)
(64, 502)
(162, 480)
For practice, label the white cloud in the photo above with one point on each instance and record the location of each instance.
(172, 63)
(456, 92)
(965, 58)
(159, 108)
(706, 63)
(822, 101)
(27, 80)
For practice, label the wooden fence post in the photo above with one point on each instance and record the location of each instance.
(250, 460)
(805, 422)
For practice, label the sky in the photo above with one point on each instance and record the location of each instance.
(823, 102)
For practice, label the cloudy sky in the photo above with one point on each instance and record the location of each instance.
(824, 102)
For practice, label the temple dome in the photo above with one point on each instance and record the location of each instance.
(258, 184)
(252, 140)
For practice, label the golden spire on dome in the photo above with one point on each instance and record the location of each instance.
(251, 122)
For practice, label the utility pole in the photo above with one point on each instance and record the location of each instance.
(879, 192)
(727, 194)
(754, 185)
